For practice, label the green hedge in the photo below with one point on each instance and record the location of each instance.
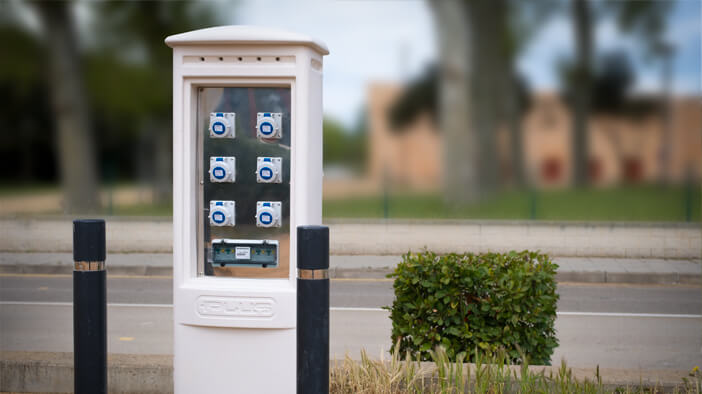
(475, 304)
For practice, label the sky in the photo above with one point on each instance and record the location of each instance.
(367, 40)
(394, 41)
(555, 40)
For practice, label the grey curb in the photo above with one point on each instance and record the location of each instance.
(53, 372)
(379, 273)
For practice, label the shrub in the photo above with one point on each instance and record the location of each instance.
(471, 303)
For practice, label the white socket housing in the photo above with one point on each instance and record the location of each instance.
(222, 213)
(268, 125)
(269, 170)
(222, 125)
(231, 332)
(223, 169)
(268, 214)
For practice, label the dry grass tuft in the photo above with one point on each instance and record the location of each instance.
(491, 374)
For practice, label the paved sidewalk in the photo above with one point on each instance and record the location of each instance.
(395, 237)
(571, 269)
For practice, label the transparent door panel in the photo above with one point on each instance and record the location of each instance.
(244, 200)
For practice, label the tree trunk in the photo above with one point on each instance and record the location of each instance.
(582, 22)
(488, 23)
(472, 70)
(664, 175)
(76, 146)
(461, 142)
(163, 160)
(514, 124)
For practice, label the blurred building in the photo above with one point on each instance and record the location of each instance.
(633, 145)
(411, 158)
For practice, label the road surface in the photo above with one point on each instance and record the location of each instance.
(615, 326)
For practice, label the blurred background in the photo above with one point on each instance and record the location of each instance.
(475, 109)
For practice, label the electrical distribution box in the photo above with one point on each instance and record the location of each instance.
(247, 171)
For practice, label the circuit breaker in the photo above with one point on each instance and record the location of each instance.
(245, 252)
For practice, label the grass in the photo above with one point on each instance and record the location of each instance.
(487, 375)
(27, 188)
(640, 203)
(165, 210)
(630, 203)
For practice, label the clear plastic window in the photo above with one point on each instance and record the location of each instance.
(244, 151)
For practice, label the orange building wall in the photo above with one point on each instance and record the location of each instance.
(621, 148)
(410, 157)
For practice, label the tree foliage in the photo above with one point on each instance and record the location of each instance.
(127, 75)
(25, 114)
(643, 19)
(343, 147)
(420, 96)
(611, 80)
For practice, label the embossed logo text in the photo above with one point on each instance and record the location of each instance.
(235, 306)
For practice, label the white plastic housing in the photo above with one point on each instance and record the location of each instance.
(268, 125)
(223, 169)
(268, 214)
(222, 213)
(269, 170)
(223, 125)
(216, 348)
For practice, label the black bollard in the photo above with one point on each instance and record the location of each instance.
(89, 307)
(312, 309)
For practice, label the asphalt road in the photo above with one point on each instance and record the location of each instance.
(367, 294)
(647, 327)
